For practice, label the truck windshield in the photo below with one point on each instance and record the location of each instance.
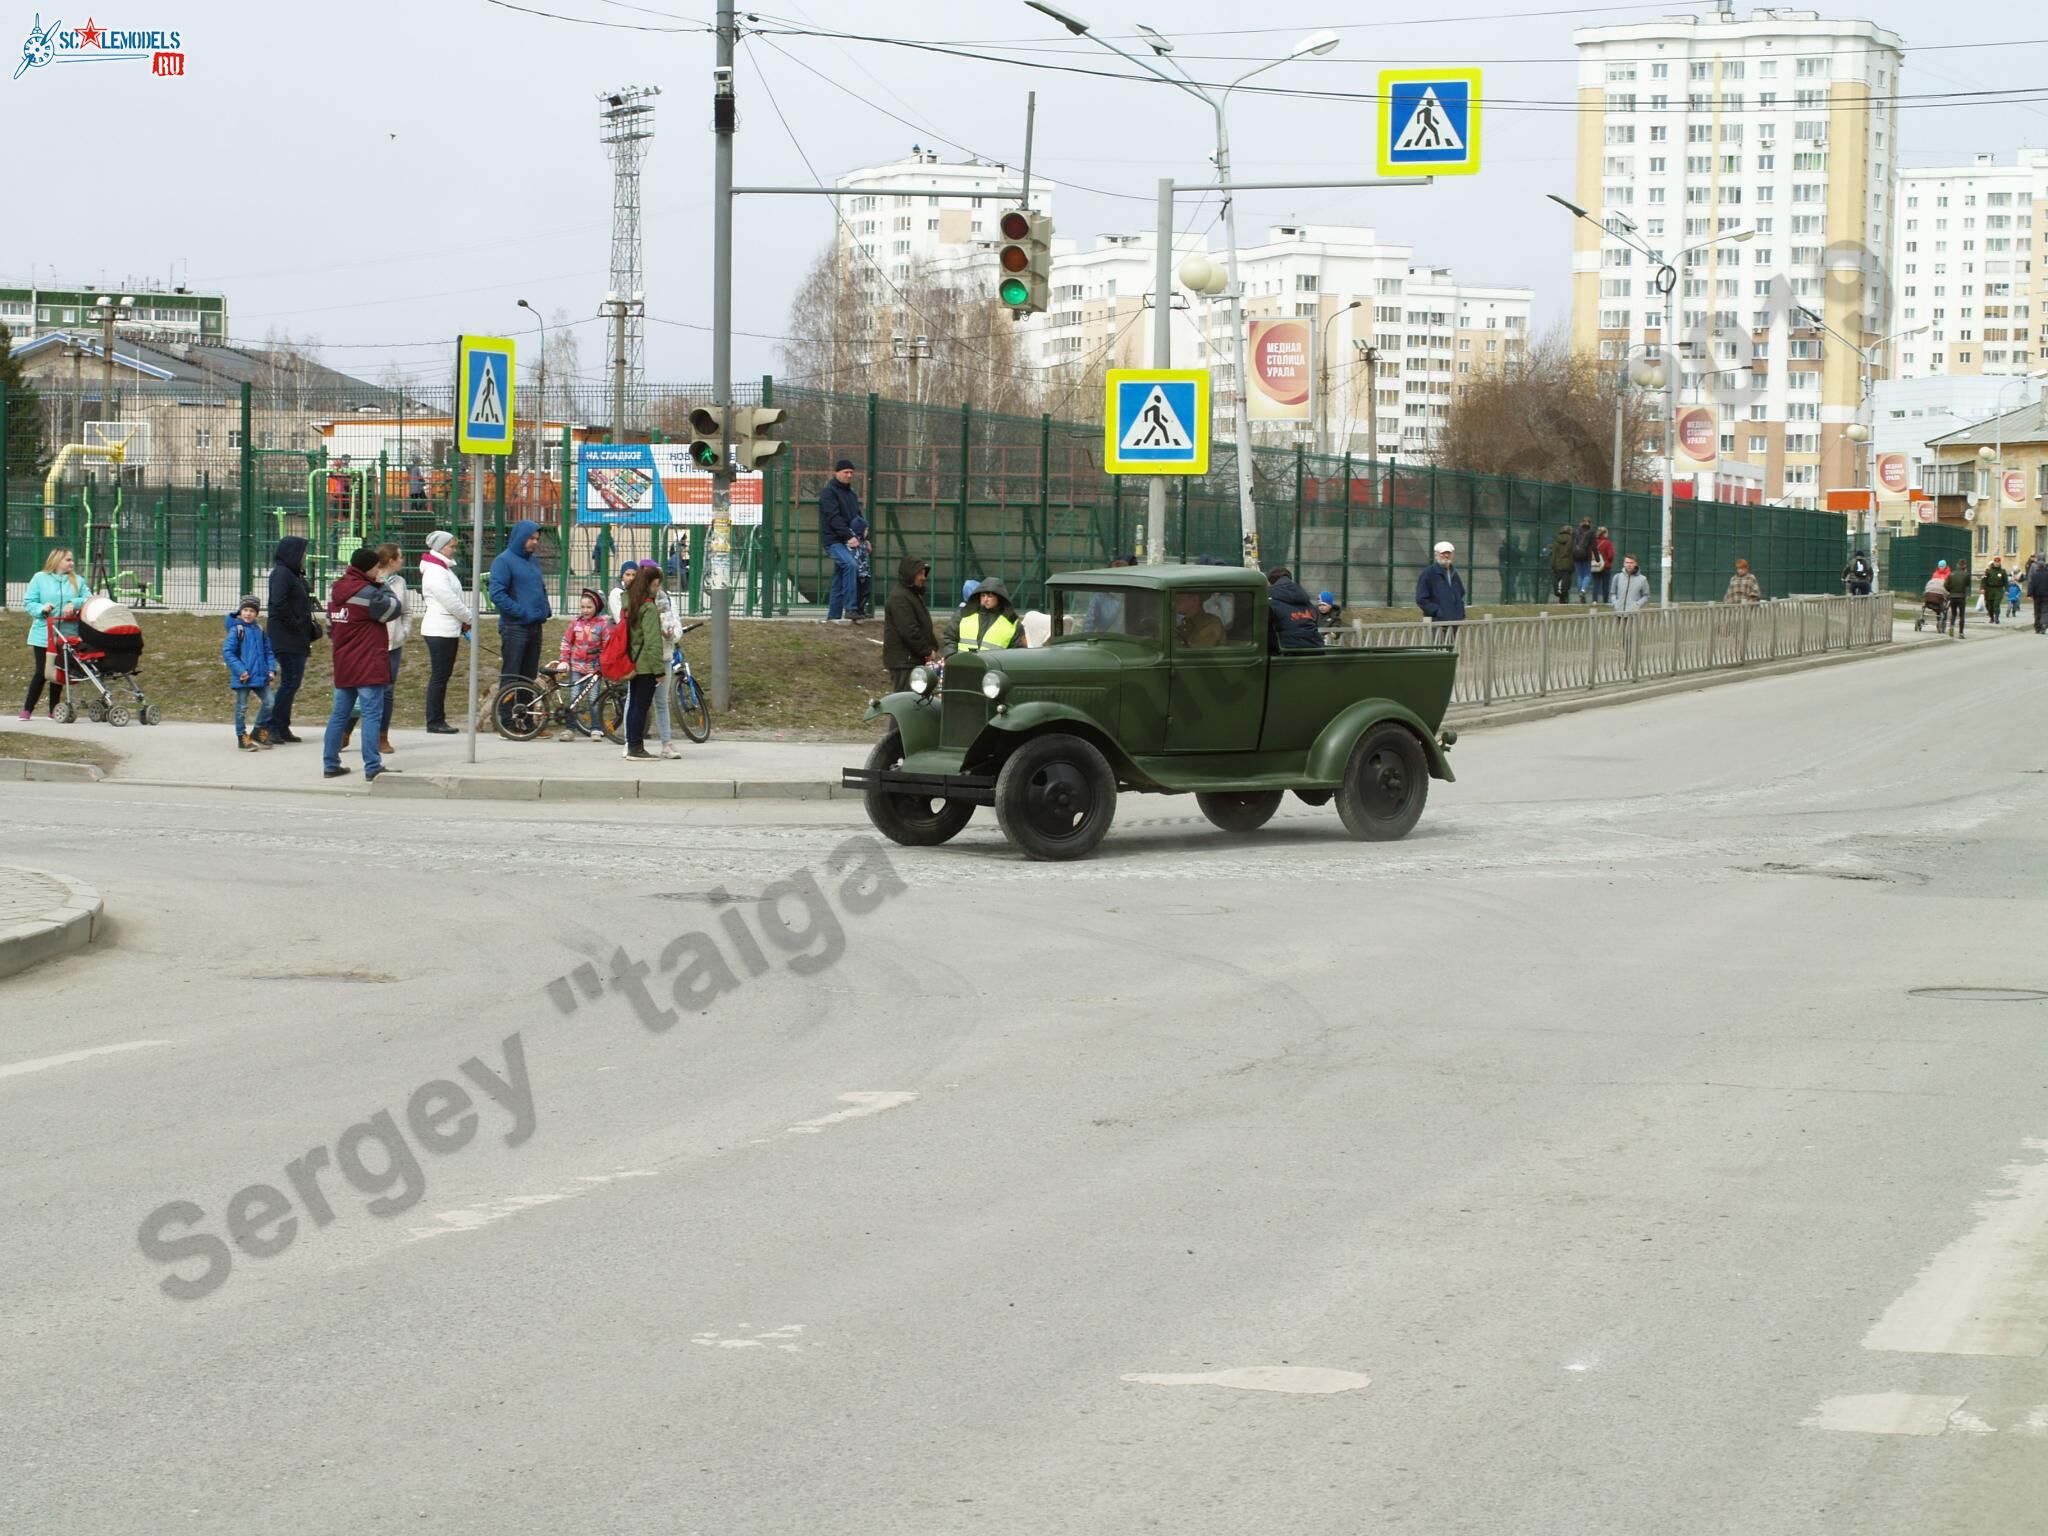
(1080, 612)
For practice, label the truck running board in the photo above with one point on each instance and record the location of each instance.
(975, 789)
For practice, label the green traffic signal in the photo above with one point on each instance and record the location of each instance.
(704, 454)
(1015, 292)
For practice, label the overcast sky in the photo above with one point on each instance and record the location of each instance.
(384, 175)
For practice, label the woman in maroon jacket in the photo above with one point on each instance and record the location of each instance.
(357, 612)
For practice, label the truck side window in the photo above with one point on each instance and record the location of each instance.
(1203, 620)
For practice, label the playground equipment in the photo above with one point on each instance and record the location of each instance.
(103, 556)
(112, 452)
(335, 531)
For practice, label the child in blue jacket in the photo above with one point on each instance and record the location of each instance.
(252, 670)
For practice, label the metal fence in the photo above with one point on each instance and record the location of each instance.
(1509, 659)
(214, 476)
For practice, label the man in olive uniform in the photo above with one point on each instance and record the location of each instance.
(1994, 587)
(1195, 627)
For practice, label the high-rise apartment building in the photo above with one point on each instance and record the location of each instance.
(1694, 130)
(1970, 268)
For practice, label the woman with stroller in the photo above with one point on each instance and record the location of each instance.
(54, 596)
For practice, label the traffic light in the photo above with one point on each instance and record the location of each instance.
(707, 429)
(753, 439)
(1025, 257)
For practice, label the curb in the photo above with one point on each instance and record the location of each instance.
(70, 926)
(464, 787)
(13, 768)
(1474, 717)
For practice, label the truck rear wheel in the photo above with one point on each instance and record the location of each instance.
(1385, 785)
(1242, 810)
(1056, 797)
(915, 821)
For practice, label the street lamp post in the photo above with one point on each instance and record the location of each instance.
(1646, 373)
(1859, 431)
(1323, 373)
(1667, 282)
(540, 421)
(1315, 43)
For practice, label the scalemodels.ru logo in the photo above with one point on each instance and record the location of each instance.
(94, 44)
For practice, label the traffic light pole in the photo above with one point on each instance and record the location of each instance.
(1162, 357)
(718, 552)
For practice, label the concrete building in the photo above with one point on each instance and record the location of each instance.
(1909, 414)
(158, 314)
(1970, 263)
(1966, 482)
(1693, 129)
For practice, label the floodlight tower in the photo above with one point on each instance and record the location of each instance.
(626, 123)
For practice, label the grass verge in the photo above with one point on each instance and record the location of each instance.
(48, 744)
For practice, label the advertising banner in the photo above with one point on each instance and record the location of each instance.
(1894, 478)
(1697, 437)
(1282, 360)
(2014, 482)
(653, 483)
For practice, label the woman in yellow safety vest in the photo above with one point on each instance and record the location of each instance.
(992, 623)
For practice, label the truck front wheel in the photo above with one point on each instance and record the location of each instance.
(1243, 811)
(1385, 785)
(915, 821)
(1056, 797)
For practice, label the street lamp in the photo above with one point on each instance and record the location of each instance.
(1858, 432)
(1315, 44)
(541, 418)
(1666, 281)
(1323, 370)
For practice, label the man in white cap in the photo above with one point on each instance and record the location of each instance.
(1440, 591)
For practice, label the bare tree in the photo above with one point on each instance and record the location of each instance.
(1547, 416)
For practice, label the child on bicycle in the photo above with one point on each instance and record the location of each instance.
(582, 642)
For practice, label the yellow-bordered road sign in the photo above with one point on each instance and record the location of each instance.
(483, 394)
(1156, 421)
(1429, 122)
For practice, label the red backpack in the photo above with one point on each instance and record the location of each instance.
(615, 660)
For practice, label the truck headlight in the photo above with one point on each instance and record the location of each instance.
(993, 685)
(921, 680)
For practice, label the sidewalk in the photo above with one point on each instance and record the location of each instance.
(43, 916)
(187, 755)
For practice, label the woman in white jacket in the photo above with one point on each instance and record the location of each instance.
(447, 619)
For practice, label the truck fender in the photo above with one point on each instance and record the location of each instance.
(1040, 716)
(1332, 749)
(916, 720)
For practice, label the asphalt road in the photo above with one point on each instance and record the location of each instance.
(1582, 1165)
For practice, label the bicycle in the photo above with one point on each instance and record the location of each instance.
(524, 709)
(689, 708)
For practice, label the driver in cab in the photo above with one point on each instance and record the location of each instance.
(1195, 627)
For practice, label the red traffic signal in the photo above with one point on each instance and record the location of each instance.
(1015, 225)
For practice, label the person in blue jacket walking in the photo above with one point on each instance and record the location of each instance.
(54, 595)
(1440, 590)
(252, 670)
(519, 591)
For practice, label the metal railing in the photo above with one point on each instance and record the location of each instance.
(1506, 660)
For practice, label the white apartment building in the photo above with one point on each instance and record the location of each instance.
(1970, 268)
(1430, 334)
(1908, 414)
(1696, 129)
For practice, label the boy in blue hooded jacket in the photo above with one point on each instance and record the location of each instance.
(252, 670)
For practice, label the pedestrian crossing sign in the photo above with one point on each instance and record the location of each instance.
(1156, 421)
(1429, 122)
(483, 394)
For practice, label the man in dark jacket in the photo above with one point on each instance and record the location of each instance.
(1994, 588)
(519, 591)
(1561, 563)
(1440, 591)
(1292, 613)
(838, 506)
(1584, 542)
(2037, 589)
(357, 612)
(291, 631)
(1958, 588)
(907, 638)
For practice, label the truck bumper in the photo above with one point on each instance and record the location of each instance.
(973, 788)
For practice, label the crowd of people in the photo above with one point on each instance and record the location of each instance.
(1946, 598)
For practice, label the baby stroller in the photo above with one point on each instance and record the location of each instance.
(1933, 606)
(109, 644)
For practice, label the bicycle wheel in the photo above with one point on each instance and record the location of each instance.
(690, 709)
(611, 713)
(583, 711)
(521, 711)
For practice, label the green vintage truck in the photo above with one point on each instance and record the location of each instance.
(1161, 680)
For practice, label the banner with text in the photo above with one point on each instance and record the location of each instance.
(1697, 436)
(1282, 354)
(653, 483)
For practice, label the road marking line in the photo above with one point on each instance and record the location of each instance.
(44, 1063)
(469, 1218)
(1885, 1413)
(1987, 1292)
(864, 1104)
(1312, 1379)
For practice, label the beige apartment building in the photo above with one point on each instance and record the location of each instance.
(1780, 127)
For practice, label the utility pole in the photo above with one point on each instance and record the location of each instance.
(1371, 354)
(913, 350)
(1162, 357)
(718, 556)
(109, 312)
